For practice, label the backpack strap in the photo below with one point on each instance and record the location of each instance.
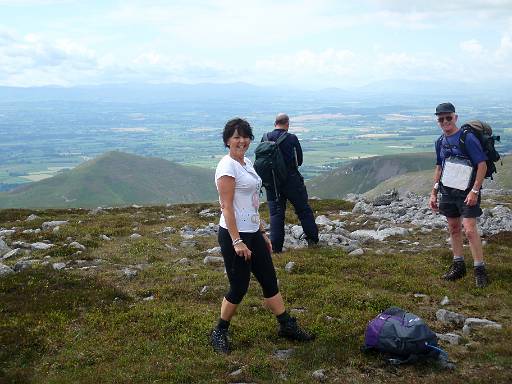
(281, 138)
(462, 139)
(264, 137)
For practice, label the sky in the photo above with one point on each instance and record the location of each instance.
(309, 44)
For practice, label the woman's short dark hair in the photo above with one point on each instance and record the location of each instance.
(239, 125)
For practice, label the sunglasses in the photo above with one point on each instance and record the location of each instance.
(442, 118)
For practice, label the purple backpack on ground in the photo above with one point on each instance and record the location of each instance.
(402, 335)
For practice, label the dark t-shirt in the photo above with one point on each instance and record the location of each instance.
(449, 146)
(288, 147)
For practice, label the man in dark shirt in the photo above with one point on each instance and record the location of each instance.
(459, 203)
(294, 189)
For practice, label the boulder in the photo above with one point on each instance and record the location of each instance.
(472, 323)
(4, 248)
(5, 270)
(449, 317)
(51, 224)
(213, 260)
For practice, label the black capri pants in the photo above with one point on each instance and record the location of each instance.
(239, 270)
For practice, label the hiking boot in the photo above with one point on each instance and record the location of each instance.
(456, 271)
(292, 331)
(219, 340)
(481, 279)
(312, 243)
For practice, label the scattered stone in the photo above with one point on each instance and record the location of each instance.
(204, 290)
(213, 251)
(451, 338)
(283, 354)
(4, 248)
(166, 230)
(135, 236)
(289, 266)
(32, 217)
(14, 252)
(130, 273)
(77, 245)
(149, 298)
(319, 375)
(472, 323)
(58, 266)
(208, 213)
(449, 317)
(7, 232)
(136, 206)
(97, 211)
(30, 231)
(21, 265)
(188, 243)
(5, 270)
(297, 231)
(356, 252)
(238, 372)
(39, 246)
(51, 224)
(213, 260)
(184, 261)
(105, 237)
(56, 229)
(323, 220)
(445, 301)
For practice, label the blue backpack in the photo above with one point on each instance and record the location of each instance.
(403, 336)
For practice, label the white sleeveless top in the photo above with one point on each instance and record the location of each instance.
(246, 198)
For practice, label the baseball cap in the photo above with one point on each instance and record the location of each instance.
(445, 108)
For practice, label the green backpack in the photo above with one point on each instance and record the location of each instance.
(270, 164)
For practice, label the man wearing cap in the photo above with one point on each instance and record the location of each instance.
(294, 189)
(458, 177)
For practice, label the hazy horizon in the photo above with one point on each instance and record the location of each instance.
(304, 44)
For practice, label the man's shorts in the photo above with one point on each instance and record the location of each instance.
(455, 207)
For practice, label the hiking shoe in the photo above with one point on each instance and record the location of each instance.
(219, 340)
(312, 243)
(481, 279)
(292, 331)
(457, 271)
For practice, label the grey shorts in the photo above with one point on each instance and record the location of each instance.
(455, 207)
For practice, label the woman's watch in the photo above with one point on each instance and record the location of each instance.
(475, 191)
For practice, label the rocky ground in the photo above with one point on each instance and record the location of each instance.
(130, 247)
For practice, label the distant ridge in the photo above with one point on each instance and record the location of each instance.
(362, 175)
(116, 179)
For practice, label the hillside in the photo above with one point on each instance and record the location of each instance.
(117, 179)
(129, 295)
(420, 182)
(362, 175)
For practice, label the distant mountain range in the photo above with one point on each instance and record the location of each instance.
(392, 89)
(117, 179)
(120, 179)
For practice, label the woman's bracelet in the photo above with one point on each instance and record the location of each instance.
(237, 241)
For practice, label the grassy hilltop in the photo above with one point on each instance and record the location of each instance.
(117, 179)
(90, 323)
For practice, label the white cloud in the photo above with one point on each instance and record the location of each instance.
(472, 47)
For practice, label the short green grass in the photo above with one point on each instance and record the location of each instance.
(94, 326)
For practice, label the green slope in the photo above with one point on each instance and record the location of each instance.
(116, 179)
(421, 182)
(361, 175)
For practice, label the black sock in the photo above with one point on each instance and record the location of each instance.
(223, 324)
(283, 317)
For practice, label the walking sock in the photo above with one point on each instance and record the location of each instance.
(478, 263)
(283, 318)
(223, 324)
(458, 258)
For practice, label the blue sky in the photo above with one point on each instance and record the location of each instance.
(307, 44)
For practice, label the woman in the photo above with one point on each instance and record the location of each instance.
(244, 245)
